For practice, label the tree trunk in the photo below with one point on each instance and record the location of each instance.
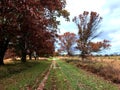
(83, 56)
(23, 58)
(23, 50)
(3, 49)
(35, 58)
(69, 54)
(1, 58)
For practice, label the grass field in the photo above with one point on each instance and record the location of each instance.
(63, 76)
(107, 67)
(57, 80)
(22, 79)
(81, 80)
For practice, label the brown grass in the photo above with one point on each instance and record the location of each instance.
(107, 67)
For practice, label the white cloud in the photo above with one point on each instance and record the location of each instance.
(76, 7)
(115, 38)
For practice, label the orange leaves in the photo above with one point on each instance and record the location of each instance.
(67, 40)
(98, 46)
(88, 24)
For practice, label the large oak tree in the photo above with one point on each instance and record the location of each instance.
(88, 24)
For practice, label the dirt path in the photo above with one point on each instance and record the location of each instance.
(42, 84)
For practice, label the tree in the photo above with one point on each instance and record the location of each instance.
(99, 46)
(8, 26)
(43, 21)
(88, 30)
(43, 44)
(19, 18)
(67, 40)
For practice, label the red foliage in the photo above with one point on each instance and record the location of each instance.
(88, 24)
(98, 46)
(67, 40)
(22, 21)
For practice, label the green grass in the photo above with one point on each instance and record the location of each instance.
(57, 80)
(29, 77)
(64, 77)
(81, 80)
(15, 67)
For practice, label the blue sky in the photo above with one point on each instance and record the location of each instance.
(110, 26)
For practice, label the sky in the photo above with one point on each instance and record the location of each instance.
(109, 10)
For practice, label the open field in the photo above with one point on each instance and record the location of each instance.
(107, 67)
(81, 80)
(62, 76)
(70, 77)
(20, 76)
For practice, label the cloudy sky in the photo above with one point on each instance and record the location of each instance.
(108, 9)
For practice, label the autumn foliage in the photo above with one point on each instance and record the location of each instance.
(99, 46)
(87, 31)
(67, 40)
(24, 22)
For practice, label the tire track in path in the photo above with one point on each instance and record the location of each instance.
(42, 84)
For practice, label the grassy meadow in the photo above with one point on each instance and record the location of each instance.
(67, 73)
(106, 66)
(68, 77)
(19, 76)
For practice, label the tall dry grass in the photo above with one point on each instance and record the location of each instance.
(107, 67)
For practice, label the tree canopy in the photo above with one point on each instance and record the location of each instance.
(22, 21)
(67, 40)
(88, 24)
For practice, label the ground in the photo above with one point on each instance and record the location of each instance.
(55, 74)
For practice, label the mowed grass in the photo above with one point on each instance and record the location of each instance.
(81, 80)
(22, 76)
(57, 80)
